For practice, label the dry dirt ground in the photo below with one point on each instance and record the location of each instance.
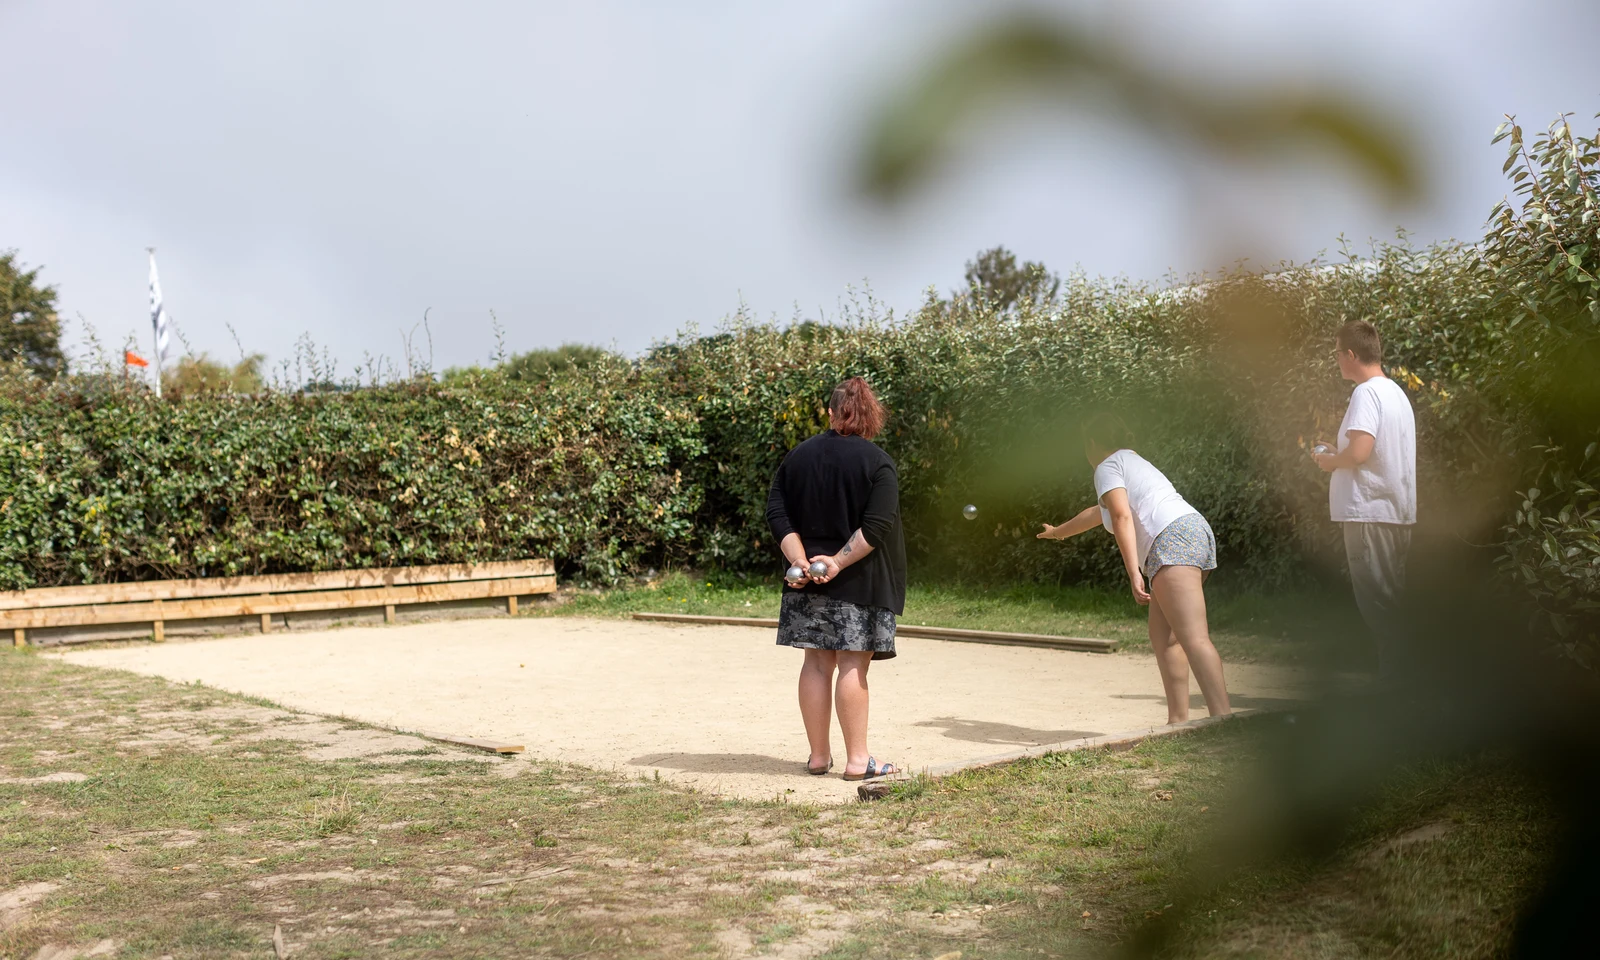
(141, 818)
(145, 818)
(708, 706)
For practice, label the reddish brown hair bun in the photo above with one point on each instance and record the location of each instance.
(856, 409)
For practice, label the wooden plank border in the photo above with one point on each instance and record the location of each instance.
(490, 746)
(1086, 644)
(150, 590)
(157, 611)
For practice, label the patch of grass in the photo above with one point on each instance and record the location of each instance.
(175, 848)
(1286, 626)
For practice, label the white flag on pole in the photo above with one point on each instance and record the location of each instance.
(158, 313)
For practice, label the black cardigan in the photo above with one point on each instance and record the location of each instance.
(826, 489)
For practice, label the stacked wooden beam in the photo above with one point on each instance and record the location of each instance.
(158, 601)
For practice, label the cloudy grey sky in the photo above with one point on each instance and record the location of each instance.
(611, 172)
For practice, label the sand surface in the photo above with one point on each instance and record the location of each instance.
(713, 706)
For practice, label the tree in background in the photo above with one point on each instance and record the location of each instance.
(535, 366)
(203, 375)
(996, 278)
(29, 328)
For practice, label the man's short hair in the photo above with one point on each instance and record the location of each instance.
(1360, 338)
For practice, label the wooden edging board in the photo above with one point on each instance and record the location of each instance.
(1088, 644)
(151, 590)
(268, 604)
(491, 746)
(880, 787)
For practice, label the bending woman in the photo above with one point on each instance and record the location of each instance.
(836, 500)
(1165, 543)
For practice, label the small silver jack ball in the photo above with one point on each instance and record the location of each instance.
(819, 569)
(970, 512)
(795, 574)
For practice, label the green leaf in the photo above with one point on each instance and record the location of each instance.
(1025, 58)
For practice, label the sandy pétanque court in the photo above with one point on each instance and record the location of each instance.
(712, 706)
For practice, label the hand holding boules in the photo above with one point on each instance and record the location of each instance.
(823, 569)
(1323, 455)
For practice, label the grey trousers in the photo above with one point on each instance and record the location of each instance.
(1377, 554)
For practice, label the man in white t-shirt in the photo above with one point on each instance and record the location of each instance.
(1373, 489)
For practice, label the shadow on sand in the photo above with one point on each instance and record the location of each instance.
(983, 731)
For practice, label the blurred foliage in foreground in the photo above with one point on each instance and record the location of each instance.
(610, 465)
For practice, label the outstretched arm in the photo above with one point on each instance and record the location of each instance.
(1085, 521)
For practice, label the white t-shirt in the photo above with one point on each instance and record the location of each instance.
(1151, 496)
(1384, 489)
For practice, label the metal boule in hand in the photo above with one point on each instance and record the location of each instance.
(819, 569)
(795, 574)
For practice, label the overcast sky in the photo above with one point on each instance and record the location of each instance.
(612, 172)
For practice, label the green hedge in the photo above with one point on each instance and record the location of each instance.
(126, 487)
(611, 468)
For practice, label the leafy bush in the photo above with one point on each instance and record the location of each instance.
(123, 487)
(536, 366)
(201, 374)
(1542, 256)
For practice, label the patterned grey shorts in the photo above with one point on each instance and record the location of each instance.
(1187, 542)
(812, 621)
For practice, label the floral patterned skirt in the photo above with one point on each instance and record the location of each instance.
(812, 621)
(1186, 542)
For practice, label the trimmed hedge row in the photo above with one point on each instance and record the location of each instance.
(668, 459)
(126, 487)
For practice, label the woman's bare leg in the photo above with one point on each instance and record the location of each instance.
(1172, 662)
(850, 699)
(1182, 597)
(816, 703)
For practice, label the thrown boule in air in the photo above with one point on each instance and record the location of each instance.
(970, 512)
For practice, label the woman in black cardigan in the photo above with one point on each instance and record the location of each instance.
(836, 501)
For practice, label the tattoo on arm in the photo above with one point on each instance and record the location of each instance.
(856, 544)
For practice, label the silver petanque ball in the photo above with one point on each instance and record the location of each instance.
(819, 569)
(970, 512)
(1321, 450)
(795, 574)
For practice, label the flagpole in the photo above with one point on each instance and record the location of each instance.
(155, 321)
